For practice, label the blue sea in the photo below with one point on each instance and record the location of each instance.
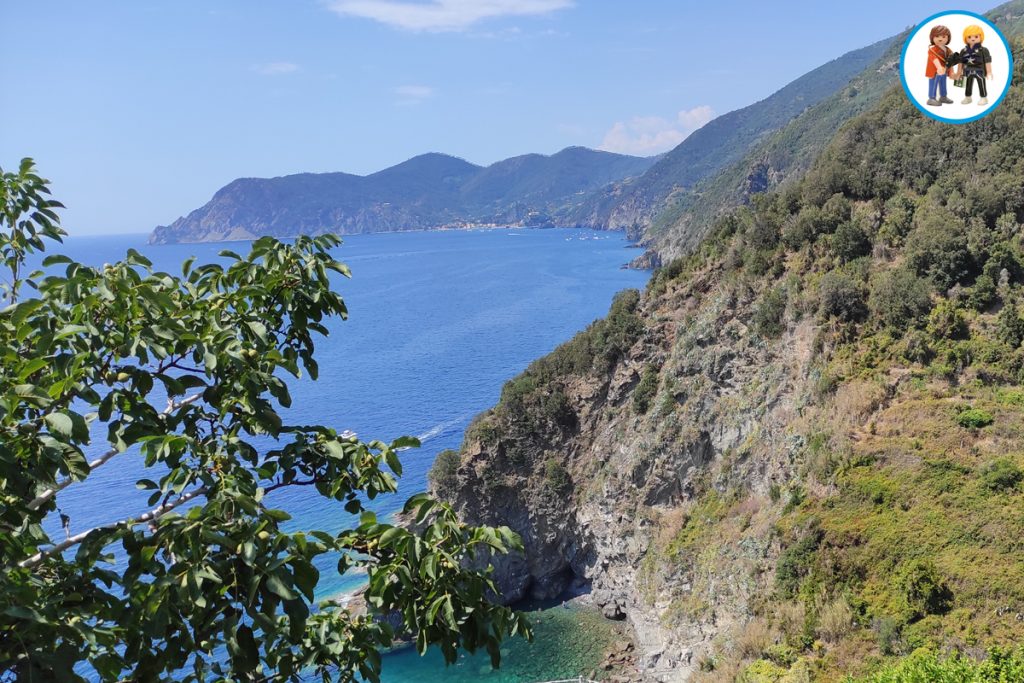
(438, 321)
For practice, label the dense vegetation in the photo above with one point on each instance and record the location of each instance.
(206, 583)
(903, 244)
(927, 666)
(534, 407)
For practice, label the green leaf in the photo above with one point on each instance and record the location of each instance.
(55, 259)
(277, 515)
(135, 258)
(392, 536)
(59, 424)
(279, 588)
(31, 367)
(32, 395)
(258, 328)
(405, 442)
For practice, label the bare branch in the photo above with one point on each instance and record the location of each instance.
(147, 517)
(46, 495)
(294, 482)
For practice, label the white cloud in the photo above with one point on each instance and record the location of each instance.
(276, 68)
(647, 135)
(442, 15)
(413, 94)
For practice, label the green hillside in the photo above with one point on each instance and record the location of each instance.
(720, 143)
(549, 180)
(684, 218)
(798, 455)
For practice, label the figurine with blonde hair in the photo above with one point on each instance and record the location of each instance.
(974, 63)
(938, 54)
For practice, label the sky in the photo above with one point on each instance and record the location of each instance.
(138, 111)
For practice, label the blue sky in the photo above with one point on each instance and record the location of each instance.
(138, 111)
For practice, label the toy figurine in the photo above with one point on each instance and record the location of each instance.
(938, 54)
(974, 63)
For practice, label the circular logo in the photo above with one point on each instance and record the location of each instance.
(956, 66)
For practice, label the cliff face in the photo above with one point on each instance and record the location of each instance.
(798, 452)
(721, 419)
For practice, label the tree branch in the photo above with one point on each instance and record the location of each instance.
(46, 495)
(294, 482)
(151, 516)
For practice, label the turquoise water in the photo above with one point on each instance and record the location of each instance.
(438, 322)
(568, 642)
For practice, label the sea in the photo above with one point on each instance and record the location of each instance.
(438, 322)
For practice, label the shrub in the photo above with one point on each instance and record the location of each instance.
(849, 242)
(937, 248)
(923, 590)
(899, 299)
(443, 474)
(762, 671)
(926, 666)
(763, 233)
(1011, 397)
(802, 228)
(645, 389)
(1010, 326)
(946, 321)
(1002, 474)
(556, 407)
(758, 261)
(795, 563)
(769, 313)
(888, 632)
(835, 620)
(899, 215)
(556, 477)
(835, 212)
(842, 297)
(917, 347)
(516, 390)
(974, 418)
(622, 328)
(983, 294)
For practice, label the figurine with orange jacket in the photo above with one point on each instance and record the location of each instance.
(938, 56)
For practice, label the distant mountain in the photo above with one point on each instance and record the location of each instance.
(425, 192)
(722, 142)
(667, 202)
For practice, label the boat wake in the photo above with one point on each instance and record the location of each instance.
(442, 428)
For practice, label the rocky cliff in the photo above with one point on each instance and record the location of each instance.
(797, 453)
(596, 477)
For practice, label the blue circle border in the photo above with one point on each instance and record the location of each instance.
(906, 87)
